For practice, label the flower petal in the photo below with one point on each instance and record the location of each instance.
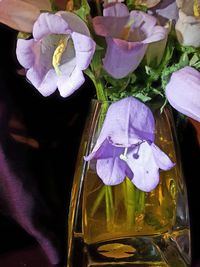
(25, 53)
(183, 92)
(74, 22)
(144, 168)
(188, 29)
(45, 85)
(68, 85)
(135, 123)
(116, 10)
(159, 33)
(161, 159)
(18, 14)
(41, 5)
(104, 150)
(129, 56)
(85, 48)
(109, 26)
(113, 170)
(50, 23)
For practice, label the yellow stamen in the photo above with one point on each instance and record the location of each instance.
(126, 30)
(196, 8)
(57, 55)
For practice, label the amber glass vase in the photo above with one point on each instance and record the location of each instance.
(121, 225)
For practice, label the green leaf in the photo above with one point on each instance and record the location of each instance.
(142, 97)
(53, 5)
(84, 11)
(23, 35)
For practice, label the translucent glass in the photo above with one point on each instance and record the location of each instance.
(121, 225)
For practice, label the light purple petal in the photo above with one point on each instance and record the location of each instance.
(47, 85)
(75, 23)
(104, 150)
(85, 48)
(165, 10)
(113, 170)
(158, 33)
(109, 26)
(18, 14)
(119, 60)
(116, 10)
(143, 21)
(183, 92)
(25, 53)
(144, 168)
(161, 159)
(50, 24)
(168, 12)
(68, 85)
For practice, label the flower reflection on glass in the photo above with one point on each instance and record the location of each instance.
(125, 147)
(60, 50)
(127, 36)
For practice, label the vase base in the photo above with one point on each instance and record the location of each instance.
(167, 250)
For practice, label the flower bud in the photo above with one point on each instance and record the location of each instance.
(183, 92)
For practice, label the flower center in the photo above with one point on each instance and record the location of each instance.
(127, 29)
(57, 55)
(196, 8)
(124, 156)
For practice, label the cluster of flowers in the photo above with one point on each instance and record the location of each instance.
(61, 48)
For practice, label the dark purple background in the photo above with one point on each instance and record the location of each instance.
(56, 124)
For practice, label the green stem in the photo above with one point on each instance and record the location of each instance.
(100, 91)
(98, 200)
(141, 202)
(130, 202)
(108, 207)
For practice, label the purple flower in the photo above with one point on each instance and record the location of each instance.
(125, 146)
(165, 10)
(188, 24)
(183, 92)
(127, 37)
(60, 49)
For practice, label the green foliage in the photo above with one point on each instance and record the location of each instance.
(53, 5)
(84, 11)
(23, 35)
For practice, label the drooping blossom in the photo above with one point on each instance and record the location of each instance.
(125, 146)
(188, 24)
(60, 49)
(183, 92)
(127, 37)
(21, 14)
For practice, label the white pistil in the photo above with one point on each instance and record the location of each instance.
(124, 156)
